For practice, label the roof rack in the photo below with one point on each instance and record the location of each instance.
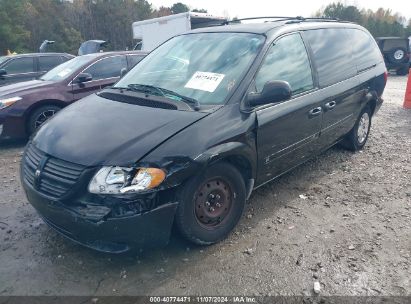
(282, 18)
(257, 18)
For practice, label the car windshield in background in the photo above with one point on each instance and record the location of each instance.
(63, 70)
(2, 59)
(205, 67)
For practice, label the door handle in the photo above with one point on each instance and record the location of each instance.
(330, 105)
(315, 112)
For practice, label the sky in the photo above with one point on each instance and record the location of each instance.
(243, 8)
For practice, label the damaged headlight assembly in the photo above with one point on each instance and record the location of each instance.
(119, 180)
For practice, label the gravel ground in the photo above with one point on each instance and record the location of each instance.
(342, 220)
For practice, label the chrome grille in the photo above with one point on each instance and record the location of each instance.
(55, 177)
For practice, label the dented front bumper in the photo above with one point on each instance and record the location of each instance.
(96, 227)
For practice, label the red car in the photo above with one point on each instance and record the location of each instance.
(25, 106)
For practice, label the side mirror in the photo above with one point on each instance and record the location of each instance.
(273, 91)
(83, 77)
(123, 72)
(3, 72)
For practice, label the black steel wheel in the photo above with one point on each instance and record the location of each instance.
(211, 204)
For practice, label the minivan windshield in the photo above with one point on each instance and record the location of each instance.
(204, 67)
(64, 70)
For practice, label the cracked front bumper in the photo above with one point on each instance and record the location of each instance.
(109, 234)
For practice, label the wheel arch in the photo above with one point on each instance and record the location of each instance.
(37, 105)
(237, 154)
(371, 101)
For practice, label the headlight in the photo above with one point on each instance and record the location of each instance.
(116, 180)
(4, 103)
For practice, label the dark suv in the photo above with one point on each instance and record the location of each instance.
(396, 52)
(25, 106)
(198, 124)
(17, 68)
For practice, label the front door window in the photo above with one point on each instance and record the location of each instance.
(287, 60)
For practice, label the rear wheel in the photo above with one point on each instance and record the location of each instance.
(40, 116)
(355, 140)
(211, 204)
(402, 71)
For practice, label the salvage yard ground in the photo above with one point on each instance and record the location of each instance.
(342, 219)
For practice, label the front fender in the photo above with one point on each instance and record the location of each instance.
(226, 134)
(181, 168)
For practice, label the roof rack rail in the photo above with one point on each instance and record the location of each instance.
(282, 18)
(256, 18)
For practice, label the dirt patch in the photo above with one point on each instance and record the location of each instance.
(342, 220)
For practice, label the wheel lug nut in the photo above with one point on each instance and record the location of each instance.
(207, 204)
(218, 205)
(217, 196)
(211, 209)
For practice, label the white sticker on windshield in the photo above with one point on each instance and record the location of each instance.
(64, 73)
(205, 81)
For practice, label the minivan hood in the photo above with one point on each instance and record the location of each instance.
(98, 131)
(22, 88)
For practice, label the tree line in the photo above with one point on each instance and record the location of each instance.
(24, 24)
(380, 23)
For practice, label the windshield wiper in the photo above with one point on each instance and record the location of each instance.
(163, 92)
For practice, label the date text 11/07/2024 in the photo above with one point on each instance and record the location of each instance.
(203, 299)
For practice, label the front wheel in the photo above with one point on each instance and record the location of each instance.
(40, 116)
(402, 71)
(211, 204)
(355, 140)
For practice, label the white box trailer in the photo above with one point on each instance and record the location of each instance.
(154, 32)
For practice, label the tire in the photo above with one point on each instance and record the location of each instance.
(402, 71)
(397, 55)
(356, 139)
(40, 116)
(220, 187)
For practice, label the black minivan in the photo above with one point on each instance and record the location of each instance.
(199, 123)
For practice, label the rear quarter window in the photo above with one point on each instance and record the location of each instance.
(64, 58)
(134, 59)
(365, 49)
(332, 55)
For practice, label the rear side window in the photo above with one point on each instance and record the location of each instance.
(365, 50)
(64, 58)
(390, 44)
(46, 63)
(107, 67)
(20, 65)
(134, 59)
(332, 55)
(287, 60)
